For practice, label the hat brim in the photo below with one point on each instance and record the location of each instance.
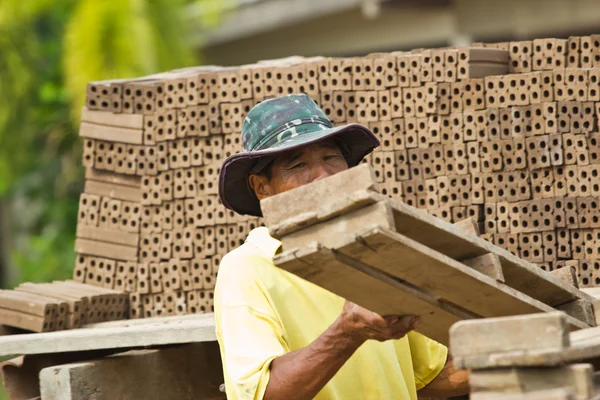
(236, 194)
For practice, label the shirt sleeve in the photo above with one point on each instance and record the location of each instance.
(249, 332)
(428, 358)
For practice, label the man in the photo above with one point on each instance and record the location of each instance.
(282, 337)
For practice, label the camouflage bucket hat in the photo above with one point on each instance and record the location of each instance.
(276, 126)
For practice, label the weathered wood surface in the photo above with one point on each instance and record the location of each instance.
(359, 283)
(488, 264)
(99, 175)
(493, 382)
(517, 333)
(286, 206)
(442, 237)
(102, 234)
(459, 245)
(114, 335)
(116, 191)
(552, 394)
(582, 345)
(111, 133)
(443, 277)
(130, 121)
(191, 371)
(360, 234)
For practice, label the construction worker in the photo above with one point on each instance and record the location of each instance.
(282, 337)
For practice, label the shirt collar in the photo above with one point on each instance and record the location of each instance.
(261, 239)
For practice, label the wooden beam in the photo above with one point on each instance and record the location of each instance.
(99, 175)
(459, 245)
(130, 121)
(487, 264)
(448, 279)
(114, 191)
(509, 334)
(576, 377)
(114, 236)
(156, 332)
(191, 371)
(584, 346)
(111, 133)
(359, 283)
(286, 206)
(108, 250)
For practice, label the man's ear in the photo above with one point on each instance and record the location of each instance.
(260, 185)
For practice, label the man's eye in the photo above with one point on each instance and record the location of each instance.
(297, 166)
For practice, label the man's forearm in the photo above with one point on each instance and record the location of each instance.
(301, 374)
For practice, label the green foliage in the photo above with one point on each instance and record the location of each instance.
(49, 50)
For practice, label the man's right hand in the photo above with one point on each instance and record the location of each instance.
(360, 324)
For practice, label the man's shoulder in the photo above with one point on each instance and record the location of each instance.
(245, 261)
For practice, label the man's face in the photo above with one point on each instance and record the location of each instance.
(298, 167)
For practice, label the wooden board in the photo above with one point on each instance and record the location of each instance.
(444, 238)
(584, 346)
(108, 250)
(285, 206)
(107, 235)
(155, 332)
(130, 121)
(359, 283)
(114, 191)
(577, 377)
(99, 175)
(455, 243)
(111, 133)
(184, 372)
(405, 259)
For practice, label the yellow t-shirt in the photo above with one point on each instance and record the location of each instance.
(263, 312)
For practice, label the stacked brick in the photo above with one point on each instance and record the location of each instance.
(505, 133)
(46, 307)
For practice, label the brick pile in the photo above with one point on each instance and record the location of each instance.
(505, 133)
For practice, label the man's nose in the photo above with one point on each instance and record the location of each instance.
(320, 171)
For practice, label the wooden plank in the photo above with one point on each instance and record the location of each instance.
(577, 377)
(468, 225)
(487, 264)
(162, 332)
(108, 250)
(334, 232)
(552, 394)
(359, 283)
(480, 54)
(111, 133)
(410, 261)
(494, 335)
(114, 191)
(566, 274)
(481, 69)
(584, 346)
(286, 206)
(185, 372)
(581, 310)
(112, 177)
(459, 245)
(107, 235)
(453, 242)
(131, 121)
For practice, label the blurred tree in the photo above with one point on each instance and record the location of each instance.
(49, 50)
